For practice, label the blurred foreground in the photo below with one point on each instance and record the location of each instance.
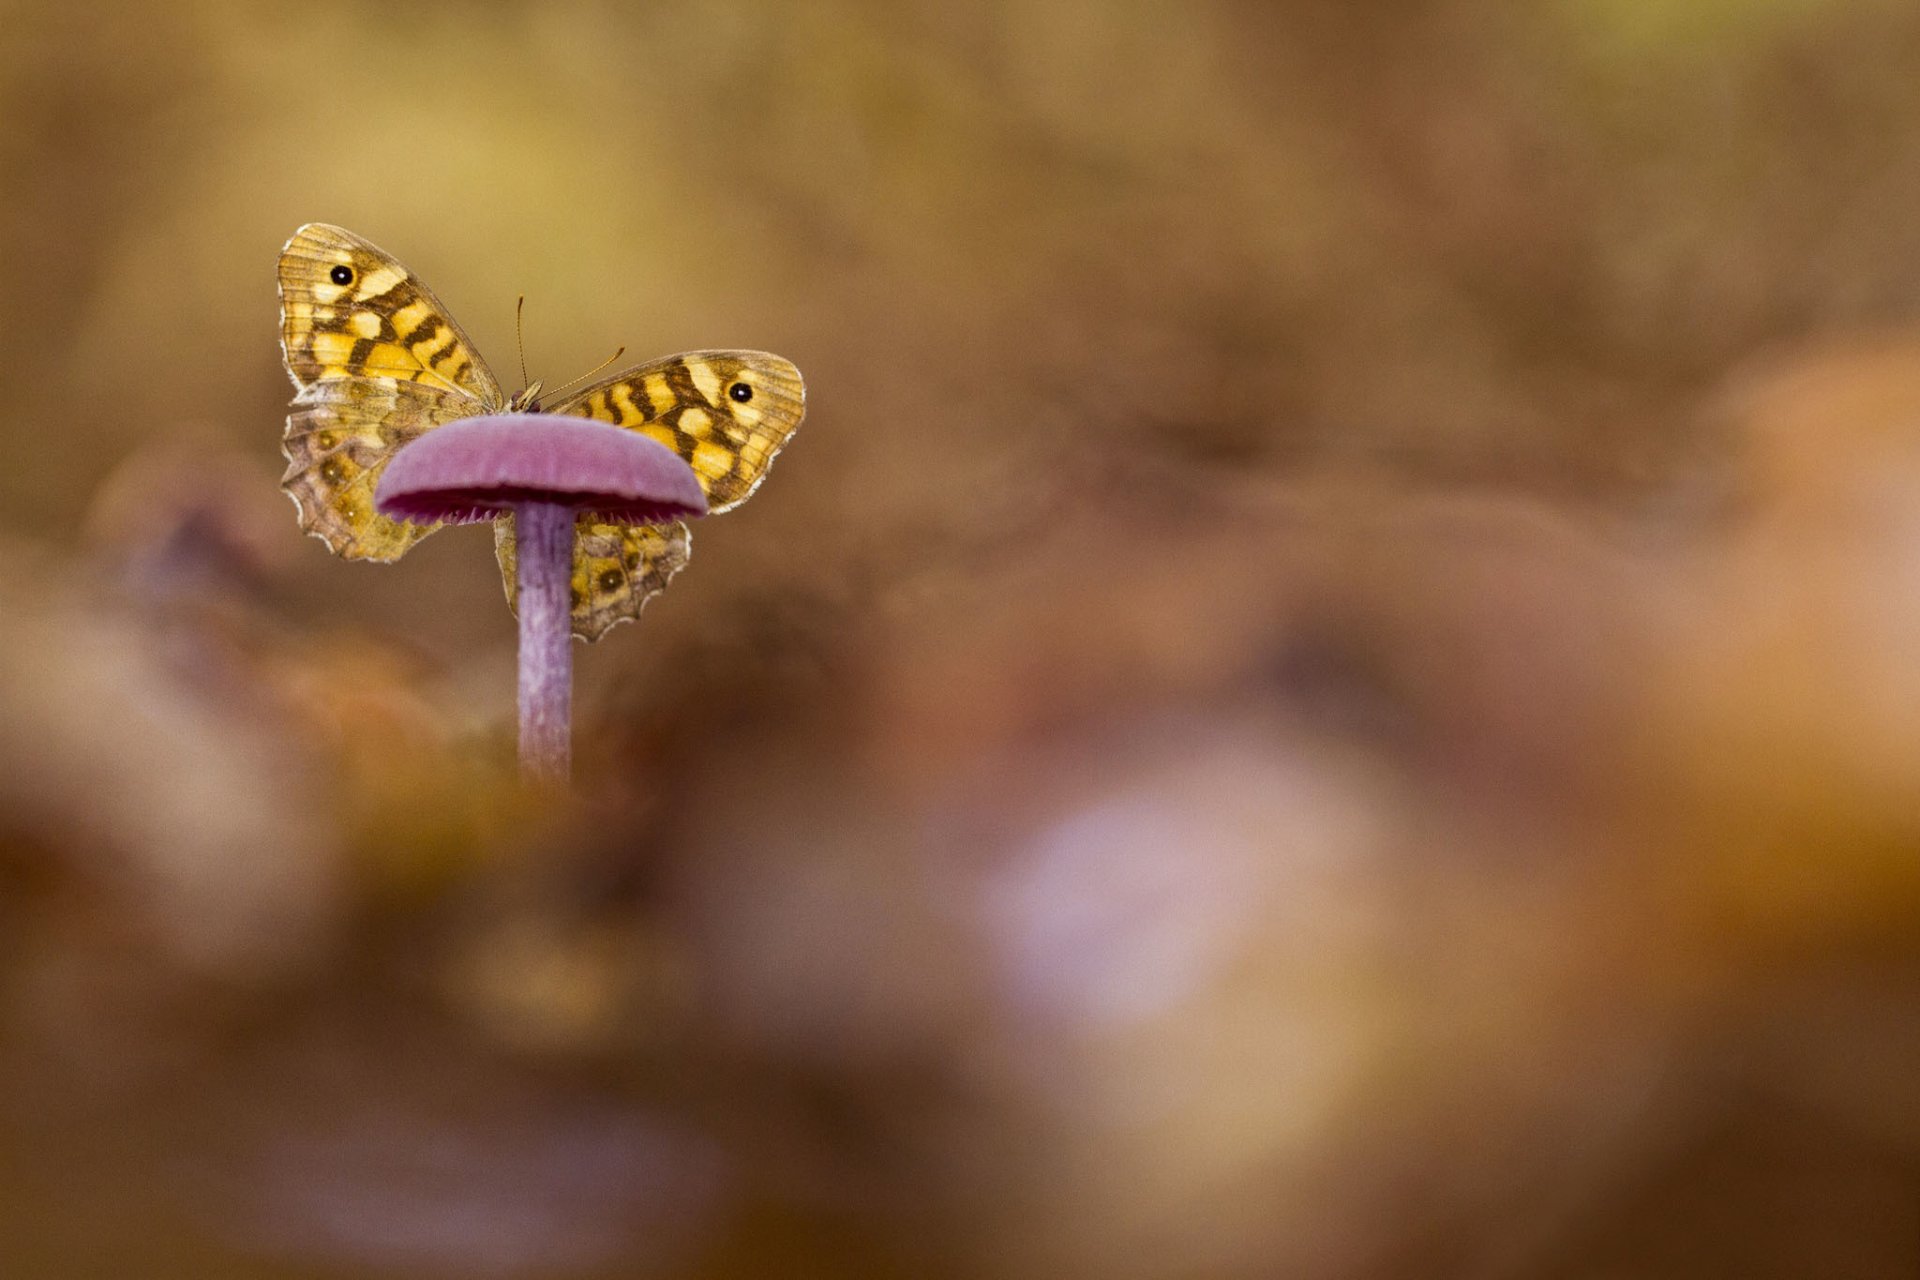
(1327, 690)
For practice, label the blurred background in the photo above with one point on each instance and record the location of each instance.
(1328, 689)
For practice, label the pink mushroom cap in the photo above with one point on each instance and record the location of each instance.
(476, 468)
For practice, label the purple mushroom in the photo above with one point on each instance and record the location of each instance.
(546, 470)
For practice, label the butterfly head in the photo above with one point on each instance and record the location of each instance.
(527, 400)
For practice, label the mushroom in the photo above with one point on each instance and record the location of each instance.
(545, 470)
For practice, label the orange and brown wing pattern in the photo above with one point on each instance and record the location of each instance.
(617, 568)
(726, 412)
(348, 309)
(377, 360)
(340, 435)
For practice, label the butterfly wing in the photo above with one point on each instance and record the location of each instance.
(348, 309)
(726, 412)
(376, 360)
(694, 404)
(617, 568)
(340, 435)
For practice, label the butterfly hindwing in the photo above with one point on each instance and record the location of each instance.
(340, 435)
(726, 412)
(617, 568)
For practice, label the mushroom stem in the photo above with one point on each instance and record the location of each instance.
(543, 532)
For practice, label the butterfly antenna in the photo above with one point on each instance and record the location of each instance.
(589, 373)
(519, 337)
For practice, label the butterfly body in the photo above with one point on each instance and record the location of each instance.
(377, 361)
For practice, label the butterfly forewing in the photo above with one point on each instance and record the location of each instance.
(348, 309)
(726, 412)
(617, 568)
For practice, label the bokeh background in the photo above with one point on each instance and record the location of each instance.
(1330, 688)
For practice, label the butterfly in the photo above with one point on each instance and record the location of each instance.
(376, 361)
